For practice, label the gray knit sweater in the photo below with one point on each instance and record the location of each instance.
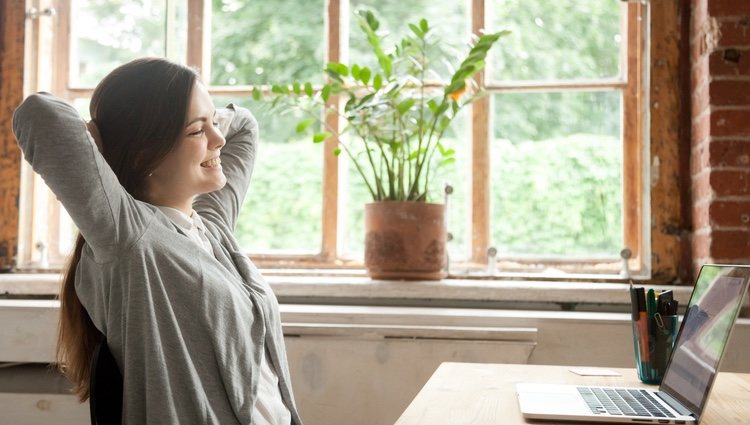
(187, 328)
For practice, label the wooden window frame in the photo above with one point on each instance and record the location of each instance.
(635, 194)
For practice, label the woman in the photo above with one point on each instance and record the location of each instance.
(155, 188)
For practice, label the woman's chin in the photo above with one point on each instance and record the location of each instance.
(220, 183)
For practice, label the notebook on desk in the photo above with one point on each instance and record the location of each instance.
(684, 390)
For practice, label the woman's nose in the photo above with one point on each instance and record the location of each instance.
(217, 141)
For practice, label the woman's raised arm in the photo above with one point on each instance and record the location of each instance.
(55, 141)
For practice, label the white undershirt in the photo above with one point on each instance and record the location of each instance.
(269, 407)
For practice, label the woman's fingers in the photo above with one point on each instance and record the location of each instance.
(94, 131)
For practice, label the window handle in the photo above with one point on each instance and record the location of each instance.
(34, 13)
(491, 261)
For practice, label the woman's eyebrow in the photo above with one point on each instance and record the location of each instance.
(196, 120)
(204, 119)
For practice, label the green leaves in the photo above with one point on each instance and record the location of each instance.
(424, 26)
(417, 31)
(405, 106)
(321, 136)
(338, 69)
(369, 25)
(364, 75)
(325, 93)
(377, 82)
(279, 89)
(455, 87)
(395, 118)
(369, 18)
(302, 125)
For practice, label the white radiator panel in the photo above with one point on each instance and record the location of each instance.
(368, 374)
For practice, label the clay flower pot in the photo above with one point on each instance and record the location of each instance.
(405, 240)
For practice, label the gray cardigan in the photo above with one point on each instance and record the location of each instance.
(187, 328)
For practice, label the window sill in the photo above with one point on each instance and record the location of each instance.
(347, 289)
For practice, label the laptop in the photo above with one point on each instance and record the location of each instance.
(681, 398)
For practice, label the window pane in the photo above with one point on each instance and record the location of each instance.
(267, 42)
(282, 209)
(556, 174)
(448, 19)
(457, 175)
(563, 39)
(108, 33)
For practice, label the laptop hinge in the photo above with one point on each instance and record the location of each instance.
(674, 404)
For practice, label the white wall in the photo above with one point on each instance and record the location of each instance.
(354, 364)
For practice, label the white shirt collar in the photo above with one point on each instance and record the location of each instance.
(183, 220)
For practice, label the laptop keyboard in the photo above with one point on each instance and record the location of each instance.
(620, 401)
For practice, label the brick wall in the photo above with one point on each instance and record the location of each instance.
(720, 152)
(12, 20)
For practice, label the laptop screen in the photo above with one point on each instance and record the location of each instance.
(704, 334)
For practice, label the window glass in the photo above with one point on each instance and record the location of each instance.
(108, 33)
(282, 209)
(267, 42)
(562, 39)
(556, 174)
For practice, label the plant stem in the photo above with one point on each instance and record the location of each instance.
(420, 164)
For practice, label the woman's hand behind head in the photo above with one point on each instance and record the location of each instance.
(94, 131)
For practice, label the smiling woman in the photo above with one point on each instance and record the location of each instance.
(156, 264)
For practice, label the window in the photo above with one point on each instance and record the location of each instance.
(549, 173)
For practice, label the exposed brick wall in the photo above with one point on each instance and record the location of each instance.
(720, 142)
(11, 93)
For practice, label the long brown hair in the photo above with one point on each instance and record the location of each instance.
(140, 111)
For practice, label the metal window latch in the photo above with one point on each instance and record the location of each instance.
(625, 255)
(41, 248)
(491, 261)
(34, 13)
(448, 235)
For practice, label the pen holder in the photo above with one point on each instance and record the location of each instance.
(653, 340)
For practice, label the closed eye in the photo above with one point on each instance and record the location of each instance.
(197, 133)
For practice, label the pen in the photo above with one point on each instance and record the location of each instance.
(633, 303)
(642, 324)
(651, 303)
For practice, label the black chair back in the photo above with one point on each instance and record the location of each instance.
(105, 387)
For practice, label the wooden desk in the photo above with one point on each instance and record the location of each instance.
(479, 394)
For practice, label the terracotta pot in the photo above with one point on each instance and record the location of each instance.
(405, 240)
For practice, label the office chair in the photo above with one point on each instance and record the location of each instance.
(105, 387)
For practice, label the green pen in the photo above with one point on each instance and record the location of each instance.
(651, 303)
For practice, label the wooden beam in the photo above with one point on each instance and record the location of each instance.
(336, 48)
(556, 85)
(12, 20)
(664, 106)
(480, 152)
(199, 37)
(632, 135)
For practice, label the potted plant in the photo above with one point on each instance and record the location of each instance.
(396, 116)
